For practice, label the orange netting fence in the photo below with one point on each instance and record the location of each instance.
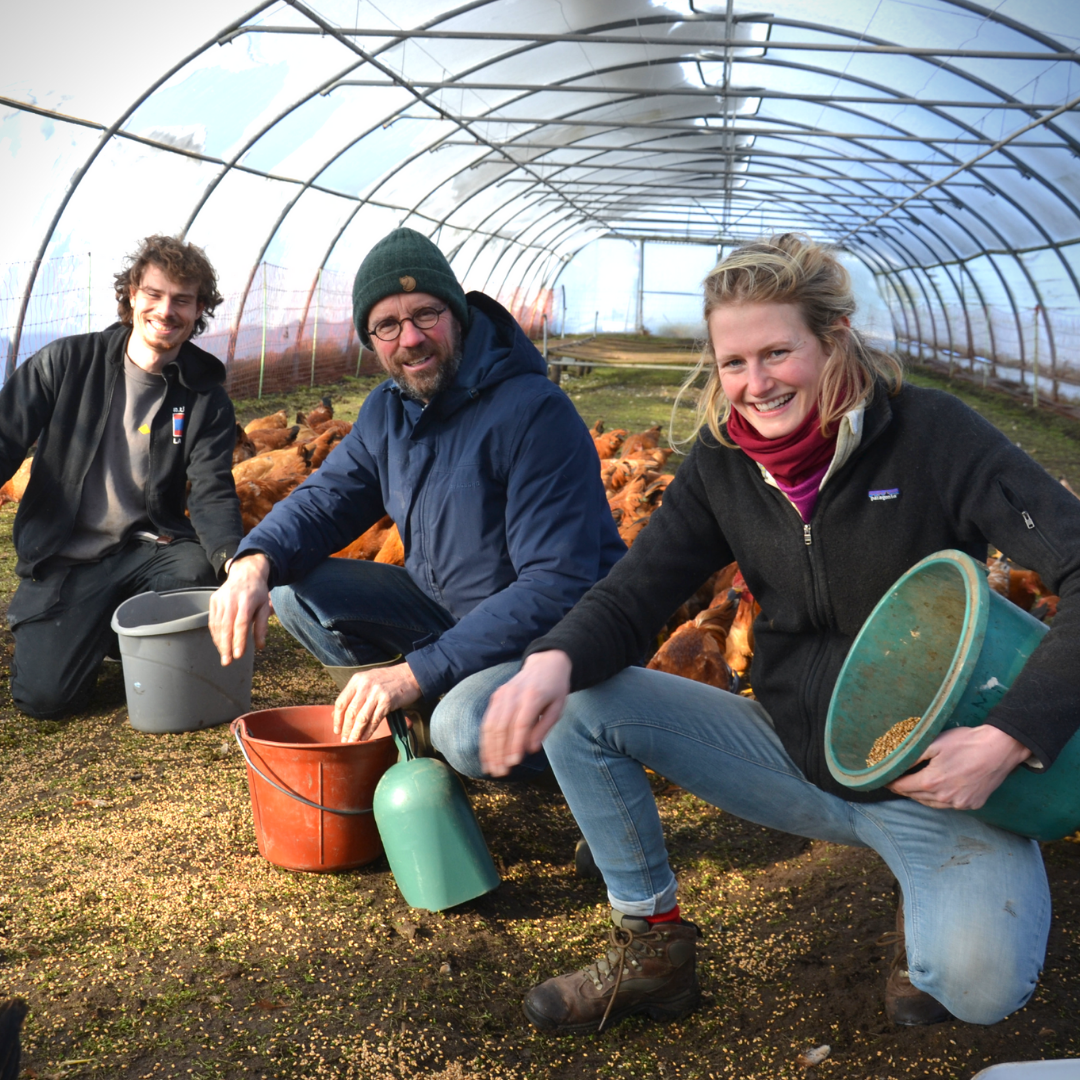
(284, 337)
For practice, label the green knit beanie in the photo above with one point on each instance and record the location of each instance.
(405, 262)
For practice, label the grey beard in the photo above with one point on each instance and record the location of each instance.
(445, 377)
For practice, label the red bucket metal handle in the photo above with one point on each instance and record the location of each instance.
(285, 791)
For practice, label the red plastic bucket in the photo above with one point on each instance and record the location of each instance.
(311, 794)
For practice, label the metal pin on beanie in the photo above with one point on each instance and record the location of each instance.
(405, 261)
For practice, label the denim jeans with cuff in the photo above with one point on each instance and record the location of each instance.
(976, 899)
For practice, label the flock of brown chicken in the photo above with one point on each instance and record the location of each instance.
(272, 457)
(710, 638)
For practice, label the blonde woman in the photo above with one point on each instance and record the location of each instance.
(826, 478)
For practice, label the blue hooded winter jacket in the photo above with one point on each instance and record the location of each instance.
(494, 486)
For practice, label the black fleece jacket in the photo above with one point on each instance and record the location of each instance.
(61, 397)
(943, 477)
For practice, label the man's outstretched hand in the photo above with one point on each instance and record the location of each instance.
(242, 602)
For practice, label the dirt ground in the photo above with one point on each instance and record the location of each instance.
(151, 940)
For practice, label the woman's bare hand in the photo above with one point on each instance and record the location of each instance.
(523, 711)
(966, 765)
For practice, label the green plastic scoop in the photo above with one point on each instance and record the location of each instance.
(431, 837)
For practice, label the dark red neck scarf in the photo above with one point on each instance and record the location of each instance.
(792, 457)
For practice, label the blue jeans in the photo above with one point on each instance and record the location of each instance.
(455, 729)
(976, 899)
(350, 612)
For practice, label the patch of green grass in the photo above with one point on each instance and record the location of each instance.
(1051, 439)
(346, 397)
(634, 399)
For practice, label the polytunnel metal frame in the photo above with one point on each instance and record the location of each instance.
(705, 195)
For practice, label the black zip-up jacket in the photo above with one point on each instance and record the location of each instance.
(61, 398)
(928, 474)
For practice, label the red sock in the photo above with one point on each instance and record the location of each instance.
(668, 916)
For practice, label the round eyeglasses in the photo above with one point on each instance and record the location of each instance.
(422, 318)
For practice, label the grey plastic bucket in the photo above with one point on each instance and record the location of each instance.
(172, 672)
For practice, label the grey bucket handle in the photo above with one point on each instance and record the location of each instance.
(285, 791)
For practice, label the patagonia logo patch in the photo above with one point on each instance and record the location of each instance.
(885, 494)
(177, 425)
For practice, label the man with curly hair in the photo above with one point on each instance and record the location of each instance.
(124, 420)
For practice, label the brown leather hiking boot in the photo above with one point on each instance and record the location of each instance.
(905, 1003)
(648, 969)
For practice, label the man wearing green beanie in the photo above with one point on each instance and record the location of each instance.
(491, 478)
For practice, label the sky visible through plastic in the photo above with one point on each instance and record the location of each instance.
(577, 159)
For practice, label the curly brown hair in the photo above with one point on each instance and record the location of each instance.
(181, 262)
(793, 269)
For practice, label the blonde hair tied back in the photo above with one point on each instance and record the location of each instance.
(792, 269)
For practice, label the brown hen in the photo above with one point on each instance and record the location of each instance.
(319, 415)
(15, 488)
(739, 649)
(644, 440)
(273, 438)
(607, 445)
(696, 649)
(630, 528)
(341, 426)
(711, 593)
(654, 459)
(294, 463)
(321, 446)
(274, 420)
(616, 474)
(393, 551)
(244, 447)
(369, 543)
(258, 497)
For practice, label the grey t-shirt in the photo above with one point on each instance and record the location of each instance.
(113, 504)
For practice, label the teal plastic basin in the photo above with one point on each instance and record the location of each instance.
(941, 644)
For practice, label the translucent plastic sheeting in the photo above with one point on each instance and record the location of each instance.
(288, 137)
(621, 287)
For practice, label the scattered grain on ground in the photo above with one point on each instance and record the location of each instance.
(151, 940)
